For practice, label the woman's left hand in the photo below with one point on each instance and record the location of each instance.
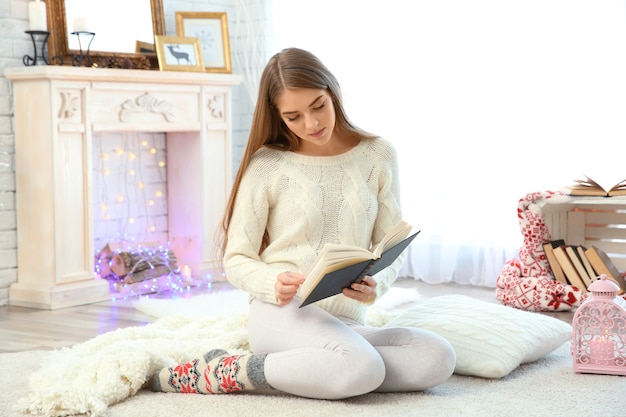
(365, 291)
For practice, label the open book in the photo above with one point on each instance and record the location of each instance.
(338, 266)
(585, 186)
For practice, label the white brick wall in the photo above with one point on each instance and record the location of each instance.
(14, 44)
(129, 187)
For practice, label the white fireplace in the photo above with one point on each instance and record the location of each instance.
(57, 110)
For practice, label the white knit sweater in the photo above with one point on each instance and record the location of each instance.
(305, 202)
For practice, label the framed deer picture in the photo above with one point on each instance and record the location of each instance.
(177, 53)
(212, 30)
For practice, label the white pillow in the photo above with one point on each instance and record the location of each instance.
(490, 340)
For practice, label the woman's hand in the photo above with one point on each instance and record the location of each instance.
(365, 292)
(286, 286)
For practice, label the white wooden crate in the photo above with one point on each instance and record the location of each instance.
(587, 221)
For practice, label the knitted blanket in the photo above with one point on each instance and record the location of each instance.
(527, 282)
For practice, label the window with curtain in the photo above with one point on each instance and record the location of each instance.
(485, 101)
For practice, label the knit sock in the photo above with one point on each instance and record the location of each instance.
(216, 372)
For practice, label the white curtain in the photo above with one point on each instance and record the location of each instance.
(485, 100)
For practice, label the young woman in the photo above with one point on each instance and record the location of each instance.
(310, 177)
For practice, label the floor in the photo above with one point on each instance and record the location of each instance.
(24, 329)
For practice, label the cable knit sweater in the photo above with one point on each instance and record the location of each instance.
(305, 202)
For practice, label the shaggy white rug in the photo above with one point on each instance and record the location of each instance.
(547, 387)
(235, 302)
(102, 377)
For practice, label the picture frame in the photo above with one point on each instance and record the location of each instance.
(212, 30)
(176, 53)
(144, 48)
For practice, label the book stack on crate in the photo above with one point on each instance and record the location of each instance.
(579, 266)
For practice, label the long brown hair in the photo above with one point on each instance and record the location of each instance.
(290, 68)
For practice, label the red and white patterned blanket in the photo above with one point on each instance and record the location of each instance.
(527, 283)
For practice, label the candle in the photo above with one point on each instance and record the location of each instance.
(602, 349)
(81, 24)
(185, 273)
(37, 16)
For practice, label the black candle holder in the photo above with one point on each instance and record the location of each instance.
(83, 57)
(38, 37)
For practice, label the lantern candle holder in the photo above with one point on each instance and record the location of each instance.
(599, 331)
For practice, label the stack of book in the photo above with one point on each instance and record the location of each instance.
(580, 266)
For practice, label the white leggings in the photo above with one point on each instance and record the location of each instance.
(314, 354)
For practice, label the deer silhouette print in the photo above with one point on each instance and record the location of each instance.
(178, 54)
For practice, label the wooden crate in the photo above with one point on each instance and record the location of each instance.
(587, 221)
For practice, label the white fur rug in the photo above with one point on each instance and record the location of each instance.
(547, 387)
(235, 302)
(102, 377)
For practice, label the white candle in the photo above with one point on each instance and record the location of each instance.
(602, 349)
(81, 24)
(185, 273)
(37, 15)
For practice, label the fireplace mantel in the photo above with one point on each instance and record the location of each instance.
(56, 111)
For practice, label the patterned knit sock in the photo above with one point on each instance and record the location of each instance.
(216, 373)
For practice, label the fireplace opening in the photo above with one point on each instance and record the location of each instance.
(130, 215)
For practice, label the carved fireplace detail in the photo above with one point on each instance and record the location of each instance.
(56, 111)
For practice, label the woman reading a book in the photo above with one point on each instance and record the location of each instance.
(310, 177)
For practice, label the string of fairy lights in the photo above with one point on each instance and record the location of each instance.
(130, 214)
(129, 187)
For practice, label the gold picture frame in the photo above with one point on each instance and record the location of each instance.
(212, 30)
(176, 53)
(144, 48)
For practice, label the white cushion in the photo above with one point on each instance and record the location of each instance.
(490, 340)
